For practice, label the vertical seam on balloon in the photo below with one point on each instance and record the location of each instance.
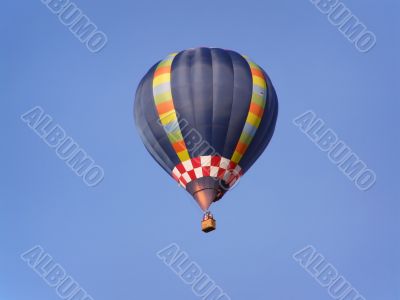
(191, 89)
(163, 100)
(256, 111)
(212, 95)
(233, 97)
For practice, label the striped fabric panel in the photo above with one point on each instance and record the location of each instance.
(163, 100)
(256, 111)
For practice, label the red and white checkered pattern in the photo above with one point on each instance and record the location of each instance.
(214, 166)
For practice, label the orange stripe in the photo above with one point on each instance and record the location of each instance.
(179, 146)
(241, 147)
(164, 107)
(256, 109)
(257, 72)
(162, 70)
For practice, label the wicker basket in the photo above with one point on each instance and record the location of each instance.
(208, 225)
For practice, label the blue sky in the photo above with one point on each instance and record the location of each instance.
(106, 237)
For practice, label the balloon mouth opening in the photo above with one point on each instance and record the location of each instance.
(206, 197)
(207, 190)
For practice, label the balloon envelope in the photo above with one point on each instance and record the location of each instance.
(206, 115)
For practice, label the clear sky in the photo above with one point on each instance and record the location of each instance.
(106, 237)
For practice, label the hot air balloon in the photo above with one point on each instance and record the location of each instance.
(205, 115)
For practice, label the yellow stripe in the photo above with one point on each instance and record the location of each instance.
(236, 157)
(259, 81)
(183, 155)
(167, 117)
(160, 79)
(253, 119)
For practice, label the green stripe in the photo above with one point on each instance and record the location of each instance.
(245, 138)
(165, 63)
(175, 136)
(253, 65)
(160, 98)
(258, 99)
